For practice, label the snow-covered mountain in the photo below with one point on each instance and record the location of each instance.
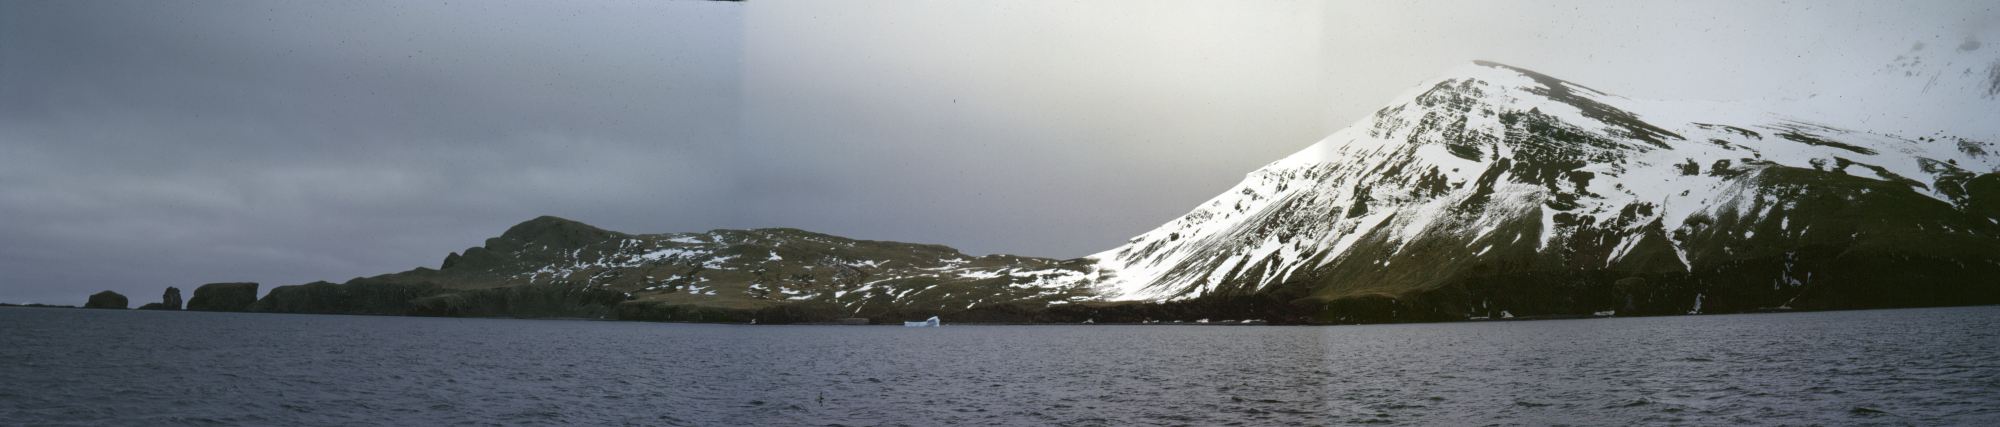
(1479, 185)
(1493, 191)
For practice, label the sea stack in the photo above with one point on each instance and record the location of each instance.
(107, 299)
(223, 297)
(171, 300)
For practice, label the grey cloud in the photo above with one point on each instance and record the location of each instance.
(147, 144)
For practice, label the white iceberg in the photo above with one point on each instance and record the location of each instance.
(931, 323)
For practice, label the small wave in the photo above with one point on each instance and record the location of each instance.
(1866, 411)
(533, 415)
(1632, 403)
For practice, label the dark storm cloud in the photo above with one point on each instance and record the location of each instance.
(147, 144)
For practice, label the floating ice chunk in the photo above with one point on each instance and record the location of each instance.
(933, 322)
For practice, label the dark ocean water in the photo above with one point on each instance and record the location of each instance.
(1895, 367)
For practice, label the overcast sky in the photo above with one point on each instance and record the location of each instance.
(145, 144)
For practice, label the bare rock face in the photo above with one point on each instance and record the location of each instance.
(223, 297)
(107, 299)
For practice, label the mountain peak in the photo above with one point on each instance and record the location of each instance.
(1545, 80)
(557, 231)
(1587, 102)
(1493, 90)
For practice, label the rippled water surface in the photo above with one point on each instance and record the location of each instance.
(1927, 367)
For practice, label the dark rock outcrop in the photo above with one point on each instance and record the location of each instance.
(107, 299)
(360, 296)
(387, 297)
(172, 299)
(223, 297)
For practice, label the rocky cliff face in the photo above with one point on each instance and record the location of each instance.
(387, 296)
(223, 297)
